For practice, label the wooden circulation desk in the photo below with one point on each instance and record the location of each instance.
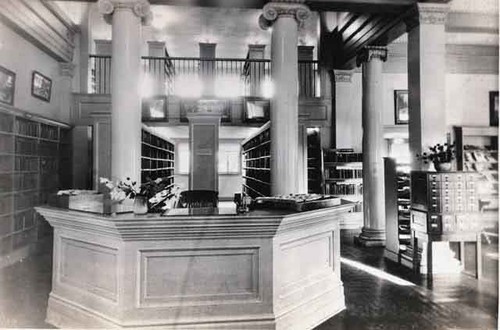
(266, 269)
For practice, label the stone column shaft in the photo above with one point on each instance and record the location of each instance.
(285, 18)
(373, 231)
(284, 107)
(126, 17)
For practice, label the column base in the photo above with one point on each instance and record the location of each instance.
(370, 237)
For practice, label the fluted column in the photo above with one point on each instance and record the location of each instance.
(373, 231)
(426, 78)
(285, 17)
(126, 18)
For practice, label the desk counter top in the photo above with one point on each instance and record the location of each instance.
(181, 225)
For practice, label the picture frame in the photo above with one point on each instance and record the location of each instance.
(494, 108)
(256, 110)
(7, 86)
(41, 86)
(154, 108)
(401, 107)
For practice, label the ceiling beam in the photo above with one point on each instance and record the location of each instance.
(357, 6)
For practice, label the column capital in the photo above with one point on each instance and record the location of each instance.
(427, 13)
(343, 76)
(292, 8)
(66, 69)
(370, 52)
(140, 8)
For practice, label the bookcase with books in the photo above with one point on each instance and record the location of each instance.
(256, 158)
(343, 176)
(35, 162)
(157, 159)
(314, 162)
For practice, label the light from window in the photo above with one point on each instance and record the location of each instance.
(182, 157)
(229, 158)
(229, 86)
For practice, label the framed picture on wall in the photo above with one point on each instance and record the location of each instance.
(256, 110)
(7, 86)
(401, 112)
(155, 108)
(494, 108)
(41, 86)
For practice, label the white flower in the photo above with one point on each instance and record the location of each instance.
(117, 194)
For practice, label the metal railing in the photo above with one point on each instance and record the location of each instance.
(188, 76)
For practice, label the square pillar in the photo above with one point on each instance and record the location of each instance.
(155, 71)
(306, 71)
(204, 124)
(207, 68)
(257, 69)
(426, 79)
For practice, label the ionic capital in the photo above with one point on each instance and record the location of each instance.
(370, 52)
(291, 8)
(140, 8)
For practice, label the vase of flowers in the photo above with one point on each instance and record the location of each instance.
(150, 196)
(440, 156)
(140, 204)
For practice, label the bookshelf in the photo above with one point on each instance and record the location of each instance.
(343, 174)
(35, 162)
(256, 159)
(157, 158)
(314, 162)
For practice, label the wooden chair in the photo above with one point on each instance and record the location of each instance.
(198, 198)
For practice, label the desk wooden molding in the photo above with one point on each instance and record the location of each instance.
(260, 270)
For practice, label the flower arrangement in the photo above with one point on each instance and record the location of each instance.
(157, 192)
(439, 154)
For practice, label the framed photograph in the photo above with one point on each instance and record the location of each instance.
(256, 110)
(7, 86)
(494, 108)
(155, 108)
(41, 86)
(401, 111)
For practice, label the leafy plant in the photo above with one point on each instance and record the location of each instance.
(439, 153)
(158, 192)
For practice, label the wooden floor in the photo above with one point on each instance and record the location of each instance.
(373, 302)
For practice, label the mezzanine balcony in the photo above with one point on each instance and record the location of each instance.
(195, 77)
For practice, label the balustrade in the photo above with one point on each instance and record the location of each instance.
(185, 76)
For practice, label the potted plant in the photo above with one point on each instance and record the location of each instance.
(151, 196)
(440, 155)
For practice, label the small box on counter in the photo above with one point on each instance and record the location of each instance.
(79, 200)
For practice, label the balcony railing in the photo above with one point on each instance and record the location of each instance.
(191, 77)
